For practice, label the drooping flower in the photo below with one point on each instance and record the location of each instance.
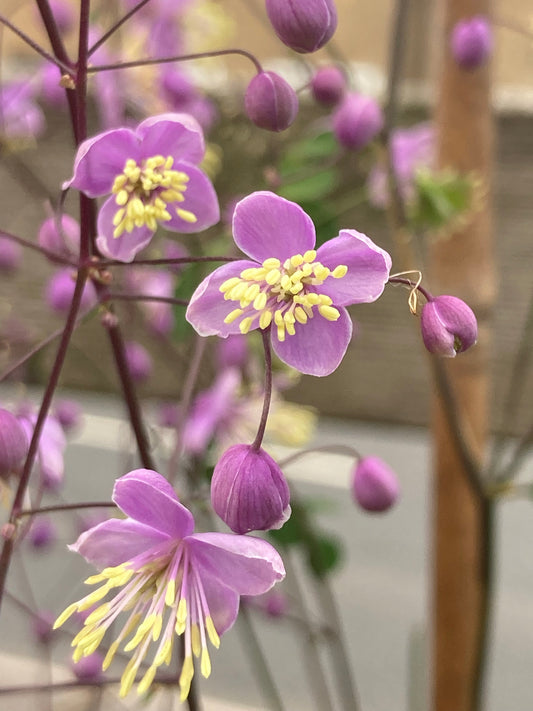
(448, 325)
(153, 179)
(303, 25)
(52, 443)
(170, 580)
(357, 120)
(412, 148)
(60, 290)
(328, 85)
(270, 102)
(13, 444)
(299, 291)
(471, 41)
(249, 491)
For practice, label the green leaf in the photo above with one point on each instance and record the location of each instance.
(312, 187)
(307, 150)
(188, 280)
(325, 555)
(441, 198)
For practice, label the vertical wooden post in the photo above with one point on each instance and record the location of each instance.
(462, 265)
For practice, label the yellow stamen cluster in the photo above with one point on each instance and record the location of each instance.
(143, 193)
(278, 293)
(150, 594)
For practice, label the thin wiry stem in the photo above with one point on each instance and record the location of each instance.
(267, 396)
(35, 46)
(111, 31)
(178, 58)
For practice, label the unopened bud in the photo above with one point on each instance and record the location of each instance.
(448, 326)
(303, 25)
(89, 668)
(357, 121)
(61, 236)
(270, 102)
(471, 42)
(249, 491)
(60, 290)
(10, 255)
(42, 532)
(328, 86)
(13, 444)
(139, 361)
(374, 485)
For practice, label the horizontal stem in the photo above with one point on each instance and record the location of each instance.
(341, 449)
(37, 248)
(111, 31)
(67, 507)
(412, 285)
(179, 58)
(164, 262)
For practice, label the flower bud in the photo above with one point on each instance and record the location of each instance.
(328, 86)
(249, 491)
(303, 25)
(68, 413)
(60, 290)
(88, 668)
(42, 532)
(139, 361)
(270, 102)
(374, 485)
(10, 255)
(13, 444)
(448, 325)
(60, 236)
(357, 121)
(471, 42)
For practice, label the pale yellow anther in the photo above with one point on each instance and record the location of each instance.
(186, 215)
(156, 629)
(245, 325)
(278, 318)
(265, 319)
(307, 270)
(163, 652)
(309, 256)
(288, 317)
(95, 596)
(271, 263)
(329, 312)
(238, 291)
(122, 197)
(273, 276)
(147, 680)
(128, 677)
(181, 614)
(281, 333)
(98, 614)
(187, 673)
(211, 632)
(312, 299)
(325, 300)
(251, 292)
(64, 616)
(109, 656)
(296, 288)
(170, 594)
(260, 301)
(205, 663)
(252, 274)
(290, 329)
(90, 647)
(321, 273)
(286, 281)
(230, 318)
(300, 315)
(339, 271)
(296, 260)
(196, 640)
(229, 284)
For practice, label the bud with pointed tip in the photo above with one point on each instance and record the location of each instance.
(270, 102)
(357, 120)
(471, 42)
(13, 444)
(448, 326)
(303, 25)
(249, 491)
(328, 85)
(374, 485)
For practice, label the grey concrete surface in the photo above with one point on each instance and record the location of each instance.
(382, 587)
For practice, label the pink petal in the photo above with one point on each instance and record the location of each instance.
(208, 309)
(116, 541)
(176, 135)
(266, 225)
(223, 603)
(248, 565)
(125, 247)
(147, 497)
(317, 346)
(368, 268)
(100, 159)
(200, 199)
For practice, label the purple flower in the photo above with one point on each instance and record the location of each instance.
(328, 85)
(357, 120)
(170, 579)
(448, 326)
(249, 491)
(60, 290)
(303, 25)
(60, 236)
(52, 443)
(270, 102)
(412, 148)
(20, 117)
(42, 532)
(153, 282)
(153, 178)
(471, 42)
(374, 485)
(10, 255)
(139, 361)
(301, 292)
(13, 443)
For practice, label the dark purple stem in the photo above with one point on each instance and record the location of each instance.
(36, 47)
(111, 31)
(164, 262)
(144, 297)
(265, 334)
(413, 285)
(66, 507)
(179, 58)
(37, 248)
